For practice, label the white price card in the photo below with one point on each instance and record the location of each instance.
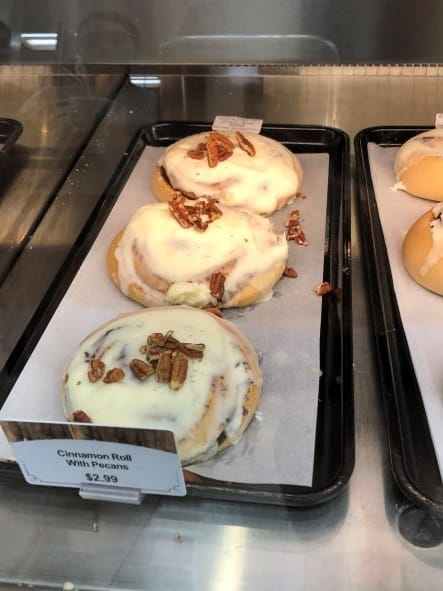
(439, 120)
(231, 123)
(83, 455)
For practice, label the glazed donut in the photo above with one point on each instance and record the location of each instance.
(418, 165)
(175, 368)
(422, 251)
(248, 170)
(234, 262)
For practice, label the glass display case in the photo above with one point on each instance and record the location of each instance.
(91, 95)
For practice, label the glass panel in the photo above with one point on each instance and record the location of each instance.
(202, 31)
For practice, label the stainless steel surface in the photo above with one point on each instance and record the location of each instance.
(352, 543)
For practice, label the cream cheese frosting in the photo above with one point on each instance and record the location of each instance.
(240, 243)
(436, 252)
(262, 183)
(427, 143)
(151, 404)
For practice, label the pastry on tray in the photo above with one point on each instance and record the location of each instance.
(422, 251)
(176, 368)
(418, 165)
(246, 170)
(198, 253)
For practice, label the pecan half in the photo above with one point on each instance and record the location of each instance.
(153, 355)
(323, 288)
(116, 374)
(222, 140)
(157, 339)
(217, 285)
(163, 369)
(179, 371)
(290, 272)
(96, 370)
(141, 369)
(212, 151)
(245, 144)
(193, 350)
(79, 416)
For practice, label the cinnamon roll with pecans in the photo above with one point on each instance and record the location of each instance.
(197, 252)
(245, 170)
(174, 368)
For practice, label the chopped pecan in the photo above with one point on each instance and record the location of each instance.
(294, 230)
(116, 374)
(198, 215)
(79, 416)
(96, 370)
(163, 369)
(217, 285)
(290, 272)
(323, 288)
(141, 369)
(179, 371)
(245, 144)
(197, 154)
(179, 212)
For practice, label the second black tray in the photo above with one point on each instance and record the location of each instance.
(412, 456)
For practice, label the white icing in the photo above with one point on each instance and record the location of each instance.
(240, 241)
(193, 294)
(151, 404)
(428, 143)
(259, 183)
(399, 186)
(436, 252)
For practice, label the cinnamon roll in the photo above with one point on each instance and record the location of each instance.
(197, 253)
(422, 250)
(245, 170)
(418, 165)
(174, 368)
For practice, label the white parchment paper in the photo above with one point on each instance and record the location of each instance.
(278, 446)
(421, 310)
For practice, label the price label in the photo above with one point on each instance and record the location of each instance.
(231, 123)
(148, 464)
(439, 120)
(72, 463)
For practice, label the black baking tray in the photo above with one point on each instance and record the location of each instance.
(334, 448)
(411, 451)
